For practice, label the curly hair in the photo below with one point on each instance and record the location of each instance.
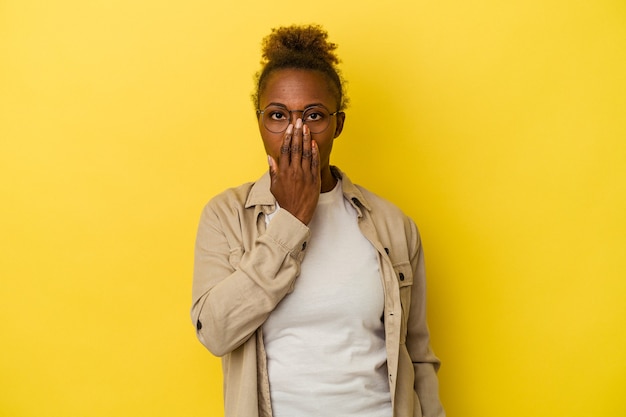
(299, 47)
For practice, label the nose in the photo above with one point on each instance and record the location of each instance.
(295, 115)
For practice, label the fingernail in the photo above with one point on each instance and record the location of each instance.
(269, 160)
(305, 129)
(289, 129)
(298, 123)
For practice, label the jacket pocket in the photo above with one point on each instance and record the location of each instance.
(404, 275)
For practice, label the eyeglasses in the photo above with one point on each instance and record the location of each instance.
(276, 118)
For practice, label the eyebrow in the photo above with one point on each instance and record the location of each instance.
(305, 107)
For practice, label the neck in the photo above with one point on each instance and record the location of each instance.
(328, 180)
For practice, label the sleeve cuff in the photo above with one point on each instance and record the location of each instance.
(289, 232)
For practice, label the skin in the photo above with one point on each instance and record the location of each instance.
(299, 161)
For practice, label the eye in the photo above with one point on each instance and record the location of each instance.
(314, 115)
(278, 115)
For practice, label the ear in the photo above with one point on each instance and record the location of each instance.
(341, 118)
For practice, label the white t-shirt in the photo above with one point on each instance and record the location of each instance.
(325, 341)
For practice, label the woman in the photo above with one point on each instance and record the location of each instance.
(311, 288)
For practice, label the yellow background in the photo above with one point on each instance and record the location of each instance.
(498, 126)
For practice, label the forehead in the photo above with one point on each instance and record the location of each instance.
(297, 88)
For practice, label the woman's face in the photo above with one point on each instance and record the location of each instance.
(297, 89)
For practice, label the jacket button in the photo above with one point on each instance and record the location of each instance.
(304, 246)
(387, 251)
(401, 276)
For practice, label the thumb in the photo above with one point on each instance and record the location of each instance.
(272, 164)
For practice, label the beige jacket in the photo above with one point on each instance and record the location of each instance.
(243, 269)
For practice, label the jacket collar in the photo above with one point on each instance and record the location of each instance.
(350, 191)
(260, 194)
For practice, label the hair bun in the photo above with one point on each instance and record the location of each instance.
(295, 40)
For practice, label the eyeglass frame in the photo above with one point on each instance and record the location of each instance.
(262, 112)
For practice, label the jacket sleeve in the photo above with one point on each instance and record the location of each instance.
(425, 363)
(234, 292)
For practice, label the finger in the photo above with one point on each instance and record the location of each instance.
(285, 148)
(272, 164)
(315, 160)
(296, 143)
(307, 152)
